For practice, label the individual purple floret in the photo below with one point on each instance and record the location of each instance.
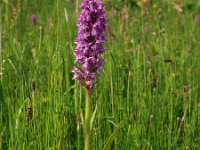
(91, 35)
(34, 19)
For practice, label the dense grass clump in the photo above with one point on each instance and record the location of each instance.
(150, 82)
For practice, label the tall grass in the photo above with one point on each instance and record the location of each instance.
(150, 82)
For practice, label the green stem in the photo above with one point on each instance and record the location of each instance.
(87, 120)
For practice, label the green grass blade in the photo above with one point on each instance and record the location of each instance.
(112, 137)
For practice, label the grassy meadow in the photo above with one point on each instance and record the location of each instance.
(150, 83)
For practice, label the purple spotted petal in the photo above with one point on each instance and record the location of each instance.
(89, 42)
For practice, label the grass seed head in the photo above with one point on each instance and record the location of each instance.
(33, 86)
(154, 82)
(28, 114)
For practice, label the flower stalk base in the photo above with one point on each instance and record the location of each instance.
(87, 138)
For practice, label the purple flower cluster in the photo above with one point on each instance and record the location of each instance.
(34, 19)
(91, 35)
